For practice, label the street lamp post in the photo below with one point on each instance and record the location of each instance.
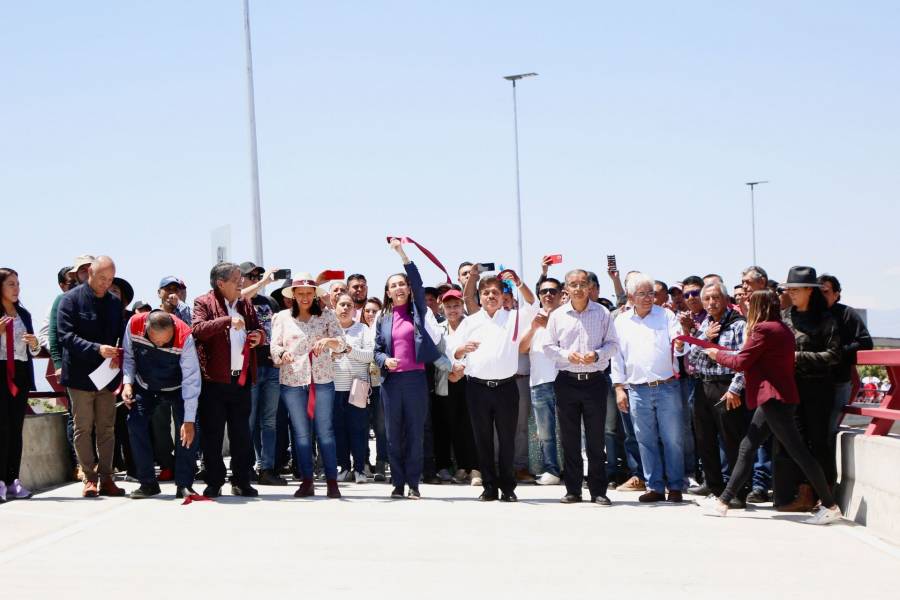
(514, 79)
(753, 185)
(254, 160)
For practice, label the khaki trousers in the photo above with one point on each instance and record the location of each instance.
(94, 411)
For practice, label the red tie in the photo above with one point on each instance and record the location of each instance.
(11, 360)
(311, 404)
(425, 251)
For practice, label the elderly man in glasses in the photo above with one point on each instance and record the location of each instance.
(644, 364)
(581, 339)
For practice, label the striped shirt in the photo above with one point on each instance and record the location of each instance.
(731, 336)
(590, 330)
(354, 364)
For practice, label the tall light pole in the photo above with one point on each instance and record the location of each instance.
(514, 79)
(254, 161)
(753, 185)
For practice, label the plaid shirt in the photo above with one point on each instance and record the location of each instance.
(731, 336)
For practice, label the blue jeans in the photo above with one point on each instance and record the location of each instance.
(658, 414)
(543, 402)
(687, 406)
(139, 418)
(842, 393)
(264, 397)
(351, 431)
(762, 468)
(405, 397)
(632, 448)
(295, 400)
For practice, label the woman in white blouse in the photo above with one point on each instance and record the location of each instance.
(351, 374)
(18, 345)
(301, 338)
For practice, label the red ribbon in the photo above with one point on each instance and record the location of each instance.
(688, 339)
(311, 403)
(246, 354)
(10, 360)
(518, 300)
(425, 251)
(195, 498)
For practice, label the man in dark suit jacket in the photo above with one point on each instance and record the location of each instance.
(89, 325)
(226, 329)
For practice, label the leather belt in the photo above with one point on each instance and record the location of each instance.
(716, 378)
(652, 384)
(582, 376)
(492, 383)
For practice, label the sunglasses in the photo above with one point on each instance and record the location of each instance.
(551, 291)
(692, 294)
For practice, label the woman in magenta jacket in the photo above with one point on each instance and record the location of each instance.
(767, 359)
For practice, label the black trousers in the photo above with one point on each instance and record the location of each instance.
(813, 419)
(578, 401)
(776, 418)
(712, 422)
(453, 437)
(225, 405)
(12, 419)
(490, 408)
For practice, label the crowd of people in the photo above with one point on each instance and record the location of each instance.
(732, 396)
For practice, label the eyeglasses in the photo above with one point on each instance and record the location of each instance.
(551, 291)
(692, 294)
(644, 294)
(578, 286)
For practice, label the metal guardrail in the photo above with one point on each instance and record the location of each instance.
(888, 409)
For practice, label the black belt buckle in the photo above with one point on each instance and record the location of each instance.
(236, 373)
(492, 383)
(582, 376)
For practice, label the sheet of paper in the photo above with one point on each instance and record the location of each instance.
(102, 375)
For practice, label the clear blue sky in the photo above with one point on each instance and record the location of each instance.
(124, 130)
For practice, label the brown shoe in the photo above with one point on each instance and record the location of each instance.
(109, 488)
(804, 502)
(674, 496)
(523, 476)
(90, 489)
(306, 489)
(333, 491)
(651, 496)
(635, 484)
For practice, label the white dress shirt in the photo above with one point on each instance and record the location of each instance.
(645, 347)
(498, 355)
(238, 337)
(590, 330)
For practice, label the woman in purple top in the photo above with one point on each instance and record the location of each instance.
(404, 343)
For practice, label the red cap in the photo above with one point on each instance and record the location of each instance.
(451, 294)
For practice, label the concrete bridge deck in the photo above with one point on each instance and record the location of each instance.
(446, 545)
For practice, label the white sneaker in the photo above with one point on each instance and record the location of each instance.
(367, 470)
(2, 492)
(548, 479)
(18, 491)
(712, 507)
(476, 478)
(825, 516)
(444, 475)
(345, 476)
(361, 477)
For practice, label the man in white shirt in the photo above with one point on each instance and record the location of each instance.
(644, 363)
(486, 344)
(581, 339)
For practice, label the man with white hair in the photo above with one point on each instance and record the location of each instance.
(645, 363)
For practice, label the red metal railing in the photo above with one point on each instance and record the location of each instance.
(888, 411)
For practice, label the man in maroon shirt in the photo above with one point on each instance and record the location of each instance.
(226, 329)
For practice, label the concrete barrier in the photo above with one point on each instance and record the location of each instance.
(869, 481)
(45, 456)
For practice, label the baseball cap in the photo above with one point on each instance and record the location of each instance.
(249, 267)
(80, 261)
(451, 294)
(167, 281)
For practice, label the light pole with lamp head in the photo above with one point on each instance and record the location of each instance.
(514, 79)
(753, 185)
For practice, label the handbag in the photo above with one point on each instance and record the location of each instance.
(359, 393)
